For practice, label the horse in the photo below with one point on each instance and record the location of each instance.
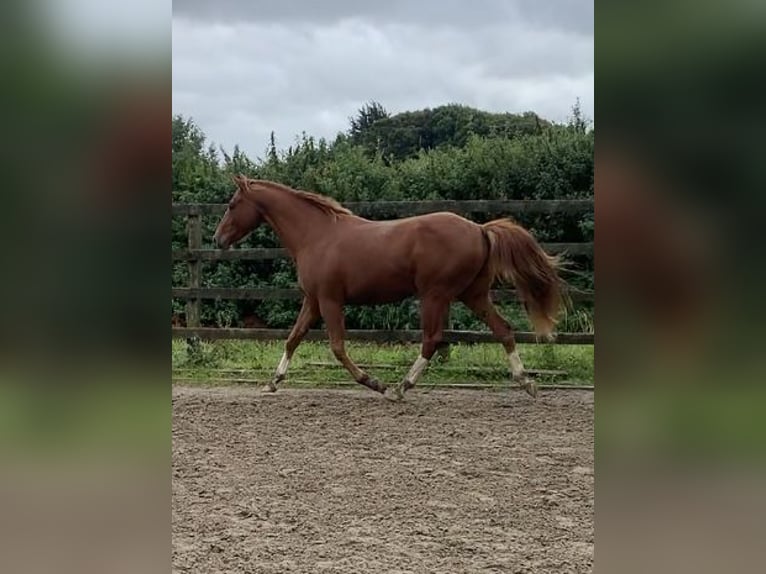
(342, 258)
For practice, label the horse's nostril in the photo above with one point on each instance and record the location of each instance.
(221, 242)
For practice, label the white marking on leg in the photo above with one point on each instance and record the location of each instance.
(283, 364)
(517, 368)
(417, 369)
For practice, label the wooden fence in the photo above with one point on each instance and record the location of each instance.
(194, 255)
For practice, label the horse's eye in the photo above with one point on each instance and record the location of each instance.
(231, 206)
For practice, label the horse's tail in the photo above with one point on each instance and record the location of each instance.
(515, 256)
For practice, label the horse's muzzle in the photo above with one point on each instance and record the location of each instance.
(220, 242)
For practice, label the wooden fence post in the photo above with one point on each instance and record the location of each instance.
(194, 230)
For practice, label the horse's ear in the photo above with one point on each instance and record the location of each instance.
(240, 180)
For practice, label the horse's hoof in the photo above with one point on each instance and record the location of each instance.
(269, 388)
(526, 383)
(531, 387)
(394, 394)
(375, 385)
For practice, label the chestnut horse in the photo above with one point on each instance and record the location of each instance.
(439, 257)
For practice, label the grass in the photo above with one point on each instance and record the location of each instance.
(314, 365)
(84, 411)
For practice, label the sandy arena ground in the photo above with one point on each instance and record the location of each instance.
(344, 481)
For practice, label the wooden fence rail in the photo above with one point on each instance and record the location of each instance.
(194, 255)
(279, 293)
(266, 253)
(407, 208)
(377, 336)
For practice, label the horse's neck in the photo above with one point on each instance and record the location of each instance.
(297, 223)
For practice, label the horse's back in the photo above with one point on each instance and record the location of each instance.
(420, 236)
(375, 262)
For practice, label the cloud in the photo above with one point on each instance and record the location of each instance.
(242, 69)
(562, 14)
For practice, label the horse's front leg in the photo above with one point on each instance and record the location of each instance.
(306, 318)
(332, 313)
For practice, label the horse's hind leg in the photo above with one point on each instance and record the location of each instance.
(484, 309)
(332, 313)
(308, 315)
(433, 310)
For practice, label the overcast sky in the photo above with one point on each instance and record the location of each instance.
(242, 68)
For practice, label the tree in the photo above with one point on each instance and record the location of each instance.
(186, 136)
(577, 121)
(365, 118)
(406, 134)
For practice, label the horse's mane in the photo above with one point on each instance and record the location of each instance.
(326, 204)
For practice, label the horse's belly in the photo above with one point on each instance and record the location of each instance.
(379, 288)
(378, 297)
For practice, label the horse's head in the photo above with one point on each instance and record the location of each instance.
(241, 217)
